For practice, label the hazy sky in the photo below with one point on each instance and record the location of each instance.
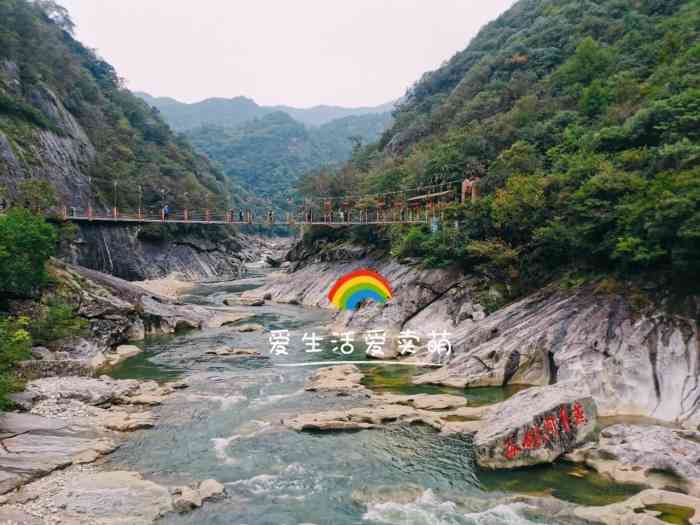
(296, 52)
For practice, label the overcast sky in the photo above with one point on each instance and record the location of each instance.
(295, 52)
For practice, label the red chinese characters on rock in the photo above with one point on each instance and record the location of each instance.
(551, 428)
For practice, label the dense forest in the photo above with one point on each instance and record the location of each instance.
(581, 118)
(49, 82)
(265, 157)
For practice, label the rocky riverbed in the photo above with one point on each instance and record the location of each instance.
(293, 441)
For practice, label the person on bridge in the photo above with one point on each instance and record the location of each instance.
(240, 215)
(271, 217)
(342, 216)
(166, 212)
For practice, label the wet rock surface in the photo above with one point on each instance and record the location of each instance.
(652, 455)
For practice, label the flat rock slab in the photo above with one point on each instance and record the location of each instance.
(341, 379)
(639, 509)
(113, 498)
(648, 455)
(424, 401)
(535, 426)
(33, 446)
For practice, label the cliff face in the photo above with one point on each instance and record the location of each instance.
(632, 360)
(66, 119)
(133, 253)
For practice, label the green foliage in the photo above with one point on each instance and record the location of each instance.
(15, 345)
(267, 156)
(585, 131)
(26, 243)
(58, 321)
(48, 70)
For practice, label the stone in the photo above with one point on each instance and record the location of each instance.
(185, 499)
(136, 331)
(23, 400)
(223, 351)
(210, 488)
(240, 301)
(339, 379)
(535, 426)
(249, 327)
(122, 353)
(652, 455)
(41, 352)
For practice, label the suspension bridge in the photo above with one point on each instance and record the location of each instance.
(421, 205)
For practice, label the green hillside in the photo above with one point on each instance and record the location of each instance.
(65, 117)
(265, 157)
(582, 119)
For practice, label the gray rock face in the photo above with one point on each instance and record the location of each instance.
(423, 300)
(535, 426)
(634, 364)
(123, 251)
(651, 455)
(33, 446)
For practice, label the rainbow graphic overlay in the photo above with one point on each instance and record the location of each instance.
(351, 289)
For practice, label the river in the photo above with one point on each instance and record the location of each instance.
(226, 426)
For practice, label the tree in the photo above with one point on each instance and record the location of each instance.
(26, 244)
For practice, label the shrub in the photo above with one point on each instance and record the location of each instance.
(15, 345)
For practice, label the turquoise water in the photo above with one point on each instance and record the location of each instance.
(227, 426)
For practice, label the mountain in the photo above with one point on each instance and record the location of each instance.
(320, 115)
(65, 118)
(231, 112)
(265, 157)
(582, 120)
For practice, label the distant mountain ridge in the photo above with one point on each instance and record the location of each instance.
(232, 112)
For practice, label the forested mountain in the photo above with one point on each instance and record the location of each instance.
(231, 112)
(265, 157)
(66, 118)
(582, 119)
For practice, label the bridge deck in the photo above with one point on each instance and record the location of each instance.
(237, 223)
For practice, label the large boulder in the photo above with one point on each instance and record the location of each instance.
(535, 426)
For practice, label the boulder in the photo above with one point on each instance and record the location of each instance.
(210, 488)
(535, 426)
(185, 499)
(249, 327)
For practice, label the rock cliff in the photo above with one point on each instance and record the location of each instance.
(633, 361)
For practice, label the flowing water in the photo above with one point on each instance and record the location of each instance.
(226, 426)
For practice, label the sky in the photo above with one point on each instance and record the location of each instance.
(296, 52)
